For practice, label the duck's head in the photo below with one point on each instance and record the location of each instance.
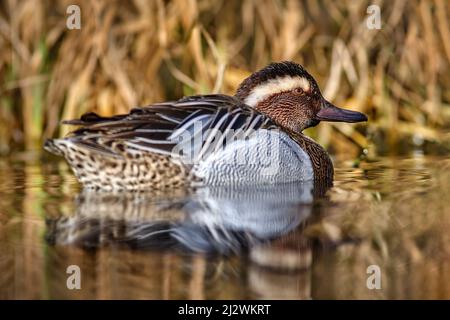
(288, 94)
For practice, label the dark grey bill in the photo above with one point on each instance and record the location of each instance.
(330, 112)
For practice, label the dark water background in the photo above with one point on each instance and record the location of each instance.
(269, 242)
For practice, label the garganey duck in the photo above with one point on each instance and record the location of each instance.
(254, 137)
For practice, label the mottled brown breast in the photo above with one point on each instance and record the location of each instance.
(321, 162)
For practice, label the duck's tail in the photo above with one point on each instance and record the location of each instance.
(53, 146)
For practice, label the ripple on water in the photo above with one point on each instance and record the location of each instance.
(275, 241)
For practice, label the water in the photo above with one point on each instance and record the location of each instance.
(271, 242)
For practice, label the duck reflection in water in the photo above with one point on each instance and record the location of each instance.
(219, 220)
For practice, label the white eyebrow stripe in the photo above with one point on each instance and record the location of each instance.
(273, 86)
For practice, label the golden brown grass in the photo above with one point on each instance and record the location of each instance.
(130, 53)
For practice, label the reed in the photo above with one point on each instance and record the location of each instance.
(130, 53)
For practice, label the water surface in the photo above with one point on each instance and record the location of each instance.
(268, 242)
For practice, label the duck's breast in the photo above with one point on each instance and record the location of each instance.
(265, 156)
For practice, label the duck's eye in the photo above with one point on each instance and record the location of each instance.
(298, 90)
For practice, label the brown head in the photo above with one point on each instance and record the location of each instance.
(288, 94)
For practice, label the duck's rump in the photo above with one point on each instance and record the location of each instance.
(212, 139)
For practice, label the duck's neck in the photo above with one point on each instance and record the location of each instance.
(320, 160)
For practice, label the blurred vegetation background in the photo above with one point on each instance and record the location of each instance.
(130, 53)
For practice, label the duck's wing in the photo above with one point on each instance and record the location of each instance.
(202, 121)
